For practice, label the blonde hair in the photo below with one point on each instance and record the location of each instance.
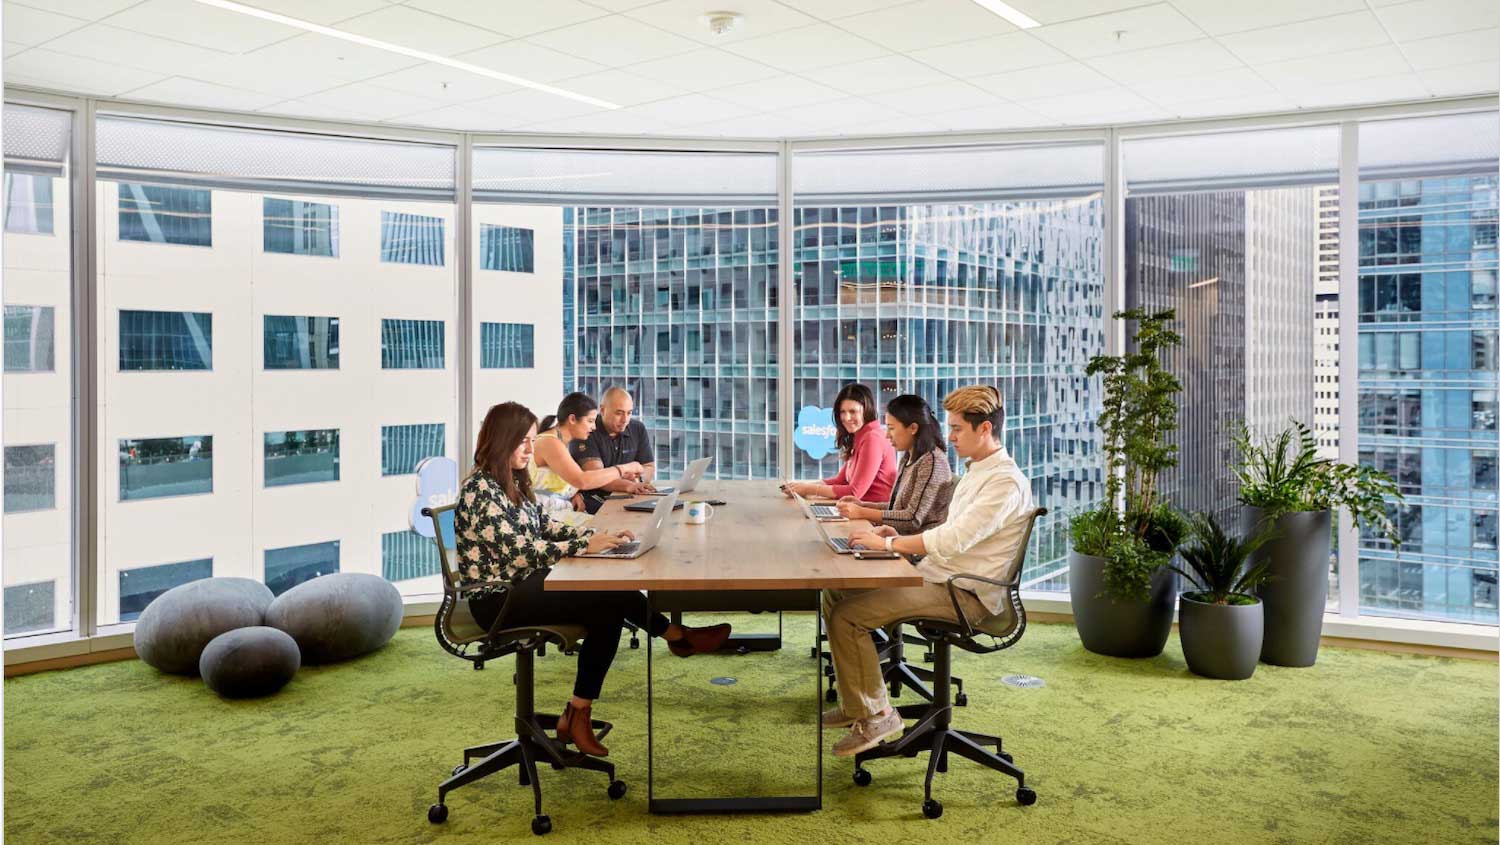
(978, 404)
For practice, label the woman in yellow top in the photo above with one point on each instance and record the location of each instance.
(555, 477)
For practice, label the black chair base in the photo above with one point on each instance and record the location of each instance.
(898, 673)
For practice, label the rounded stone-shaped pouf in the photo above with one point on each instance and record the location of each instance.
(247, 662)
(173, 630)
(338, 616)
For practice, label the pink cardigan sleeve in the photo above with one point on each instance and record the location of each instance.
(858, 473)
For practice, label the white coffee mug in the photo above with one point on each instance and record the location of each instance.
(699, 512)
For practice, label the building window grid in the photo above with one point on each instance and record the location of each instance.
(412, 344)
(507, 346)
(166, 340)
(299, 227)
(29, 333)
(402, 447)
(166, 214)
(407, 238)
(406, 555)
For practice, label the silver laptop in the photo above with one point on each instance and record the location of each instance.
(649, 537)
(838, 544)
(690, 479)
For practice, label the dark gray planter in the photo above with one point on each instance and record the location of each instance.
(1119, 628)
(1220, 640)
(1296, 596)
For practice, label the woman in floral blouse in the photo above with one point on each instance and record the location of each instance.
(503, 535)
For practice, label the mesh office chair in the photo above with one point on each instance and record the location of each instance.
(933, 732)
(462, 636)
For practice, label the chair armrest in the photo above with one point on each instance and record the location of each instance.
(963, 618)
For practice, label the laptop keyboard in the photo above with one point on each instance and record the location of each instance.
(825, 511)
(840, 543)
(624, 549)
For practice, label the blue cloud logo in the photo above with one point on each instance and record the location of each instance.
(815, 433)
(437, 485)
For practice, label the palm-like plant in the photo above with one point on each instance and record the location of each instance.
(1218, 564)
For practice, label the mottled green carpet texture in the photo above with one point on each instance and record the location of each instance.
(1364, 747)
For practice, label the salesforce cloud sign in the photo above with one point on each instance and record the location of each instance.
(815, 433)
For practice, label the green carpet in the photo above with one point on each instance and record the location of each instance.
(1364, 747)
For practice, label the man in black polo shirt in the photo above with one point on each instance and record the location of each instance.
(618, 439)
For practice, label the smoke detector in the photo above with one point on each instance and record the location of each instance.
(720, 23)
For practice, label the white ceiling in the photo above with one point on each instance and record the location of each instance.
(790, 67)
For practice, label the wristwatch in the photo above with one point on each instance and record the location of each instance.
(888, 542)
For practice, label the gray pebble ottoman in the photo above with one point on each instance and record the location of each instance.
(248, 662)
(338, 616)
(173, 630)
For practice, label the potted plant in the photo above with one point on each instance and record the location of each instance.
(1122, 589)
(1221, 624)
(1284, 484)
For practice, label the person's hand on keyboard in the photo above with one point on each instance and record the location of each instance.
(871, 538)
(605, 541)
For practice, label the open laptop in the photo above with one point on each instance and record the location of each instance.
(648, 538)
(818, 511)
(690, 479)
(840, 544)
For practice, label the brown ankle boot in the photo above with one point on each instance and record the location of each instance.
(698, 640)
(576, 725)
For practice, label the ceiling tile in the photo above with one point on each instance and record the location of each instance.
(1002, 116)
(527, 106)
(884, 74)
(297, 108)
(1235, 82)
(1114, 105)
(688, 18)
(12, 48)
(325, 12)
(513, 17)
(984, 56)
(750, 126)
(1426, 18)
(1118, 32)
(25, 25)
(834, 9)
(704, 69)
(1309, 38)
(1462, 48)
(1057, 11)
(88, 10)
(1173, 61)
(374, 101)
(617, 122)
(615, 41)
(690, 108)
(1334, 68)
(530, 61)
(45, 69)
(462, 118)
(781, 92)
(1217, 17)
(1475, 78)
(179, 91)
(302, 65)
(843, 116)
(133, 49)
(421, 31)
(1215, 106)
(195, 23)
(938, 97)
(927, 23)
(440, 84)
(1379, 89)
(819, 45)
(621, 87)
(616, 5)
(1045, 81)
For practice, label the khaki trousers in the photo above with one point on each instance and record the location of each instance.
(852, 614)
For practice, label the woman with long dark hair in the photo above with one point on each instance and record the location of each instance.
(869, 468)
(555, 474)
(920, 498)
(504, 535)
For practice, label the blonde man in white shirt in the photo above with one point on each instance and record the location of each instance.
(986, 523)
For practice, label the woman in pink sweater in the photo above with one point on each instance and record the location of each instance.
(869, 469)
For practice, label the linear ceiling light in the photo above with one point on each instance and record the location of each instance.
(241, 8)
(1004, 10)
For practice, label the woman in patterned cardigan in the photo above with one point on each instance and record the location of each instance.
(920, 498)
(506, 540)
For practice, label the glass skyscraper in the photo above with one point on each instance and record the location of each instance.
(1427, 392)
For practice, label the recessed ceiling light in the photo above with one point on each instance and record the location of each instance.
(1010, 13)
(240, 8)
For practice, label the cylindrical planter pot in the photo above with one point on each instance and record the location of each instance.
(1119, 628)
(1220, 640)
(1296, 595)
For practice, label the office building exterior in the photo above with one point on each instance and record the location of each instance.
(1326, 325)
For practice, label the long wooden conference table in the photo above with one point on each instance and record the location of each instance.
(757, 553)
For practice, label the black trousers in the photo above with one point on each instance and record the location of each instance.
(603, 613)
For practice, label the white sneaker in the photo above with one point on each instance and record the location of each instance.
(868, 733)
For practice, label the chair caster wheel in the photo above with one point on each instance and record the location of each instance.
(932, 808)
(927, 657)
(831, 696)
(635, 643)
(1025, 796)
(458, 770)
(814, 654)
(541, 825)
(862, 777)
(437, 813)
(478, 664)
(557, 767)
(742, 650)
(616, 790)
(961, 700)
(1005, 755)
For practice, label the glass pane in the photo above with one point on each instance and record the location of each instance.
(1428, 200)
(38, 375)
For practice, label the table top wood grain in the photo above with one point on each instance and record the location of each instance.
(758, 540)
